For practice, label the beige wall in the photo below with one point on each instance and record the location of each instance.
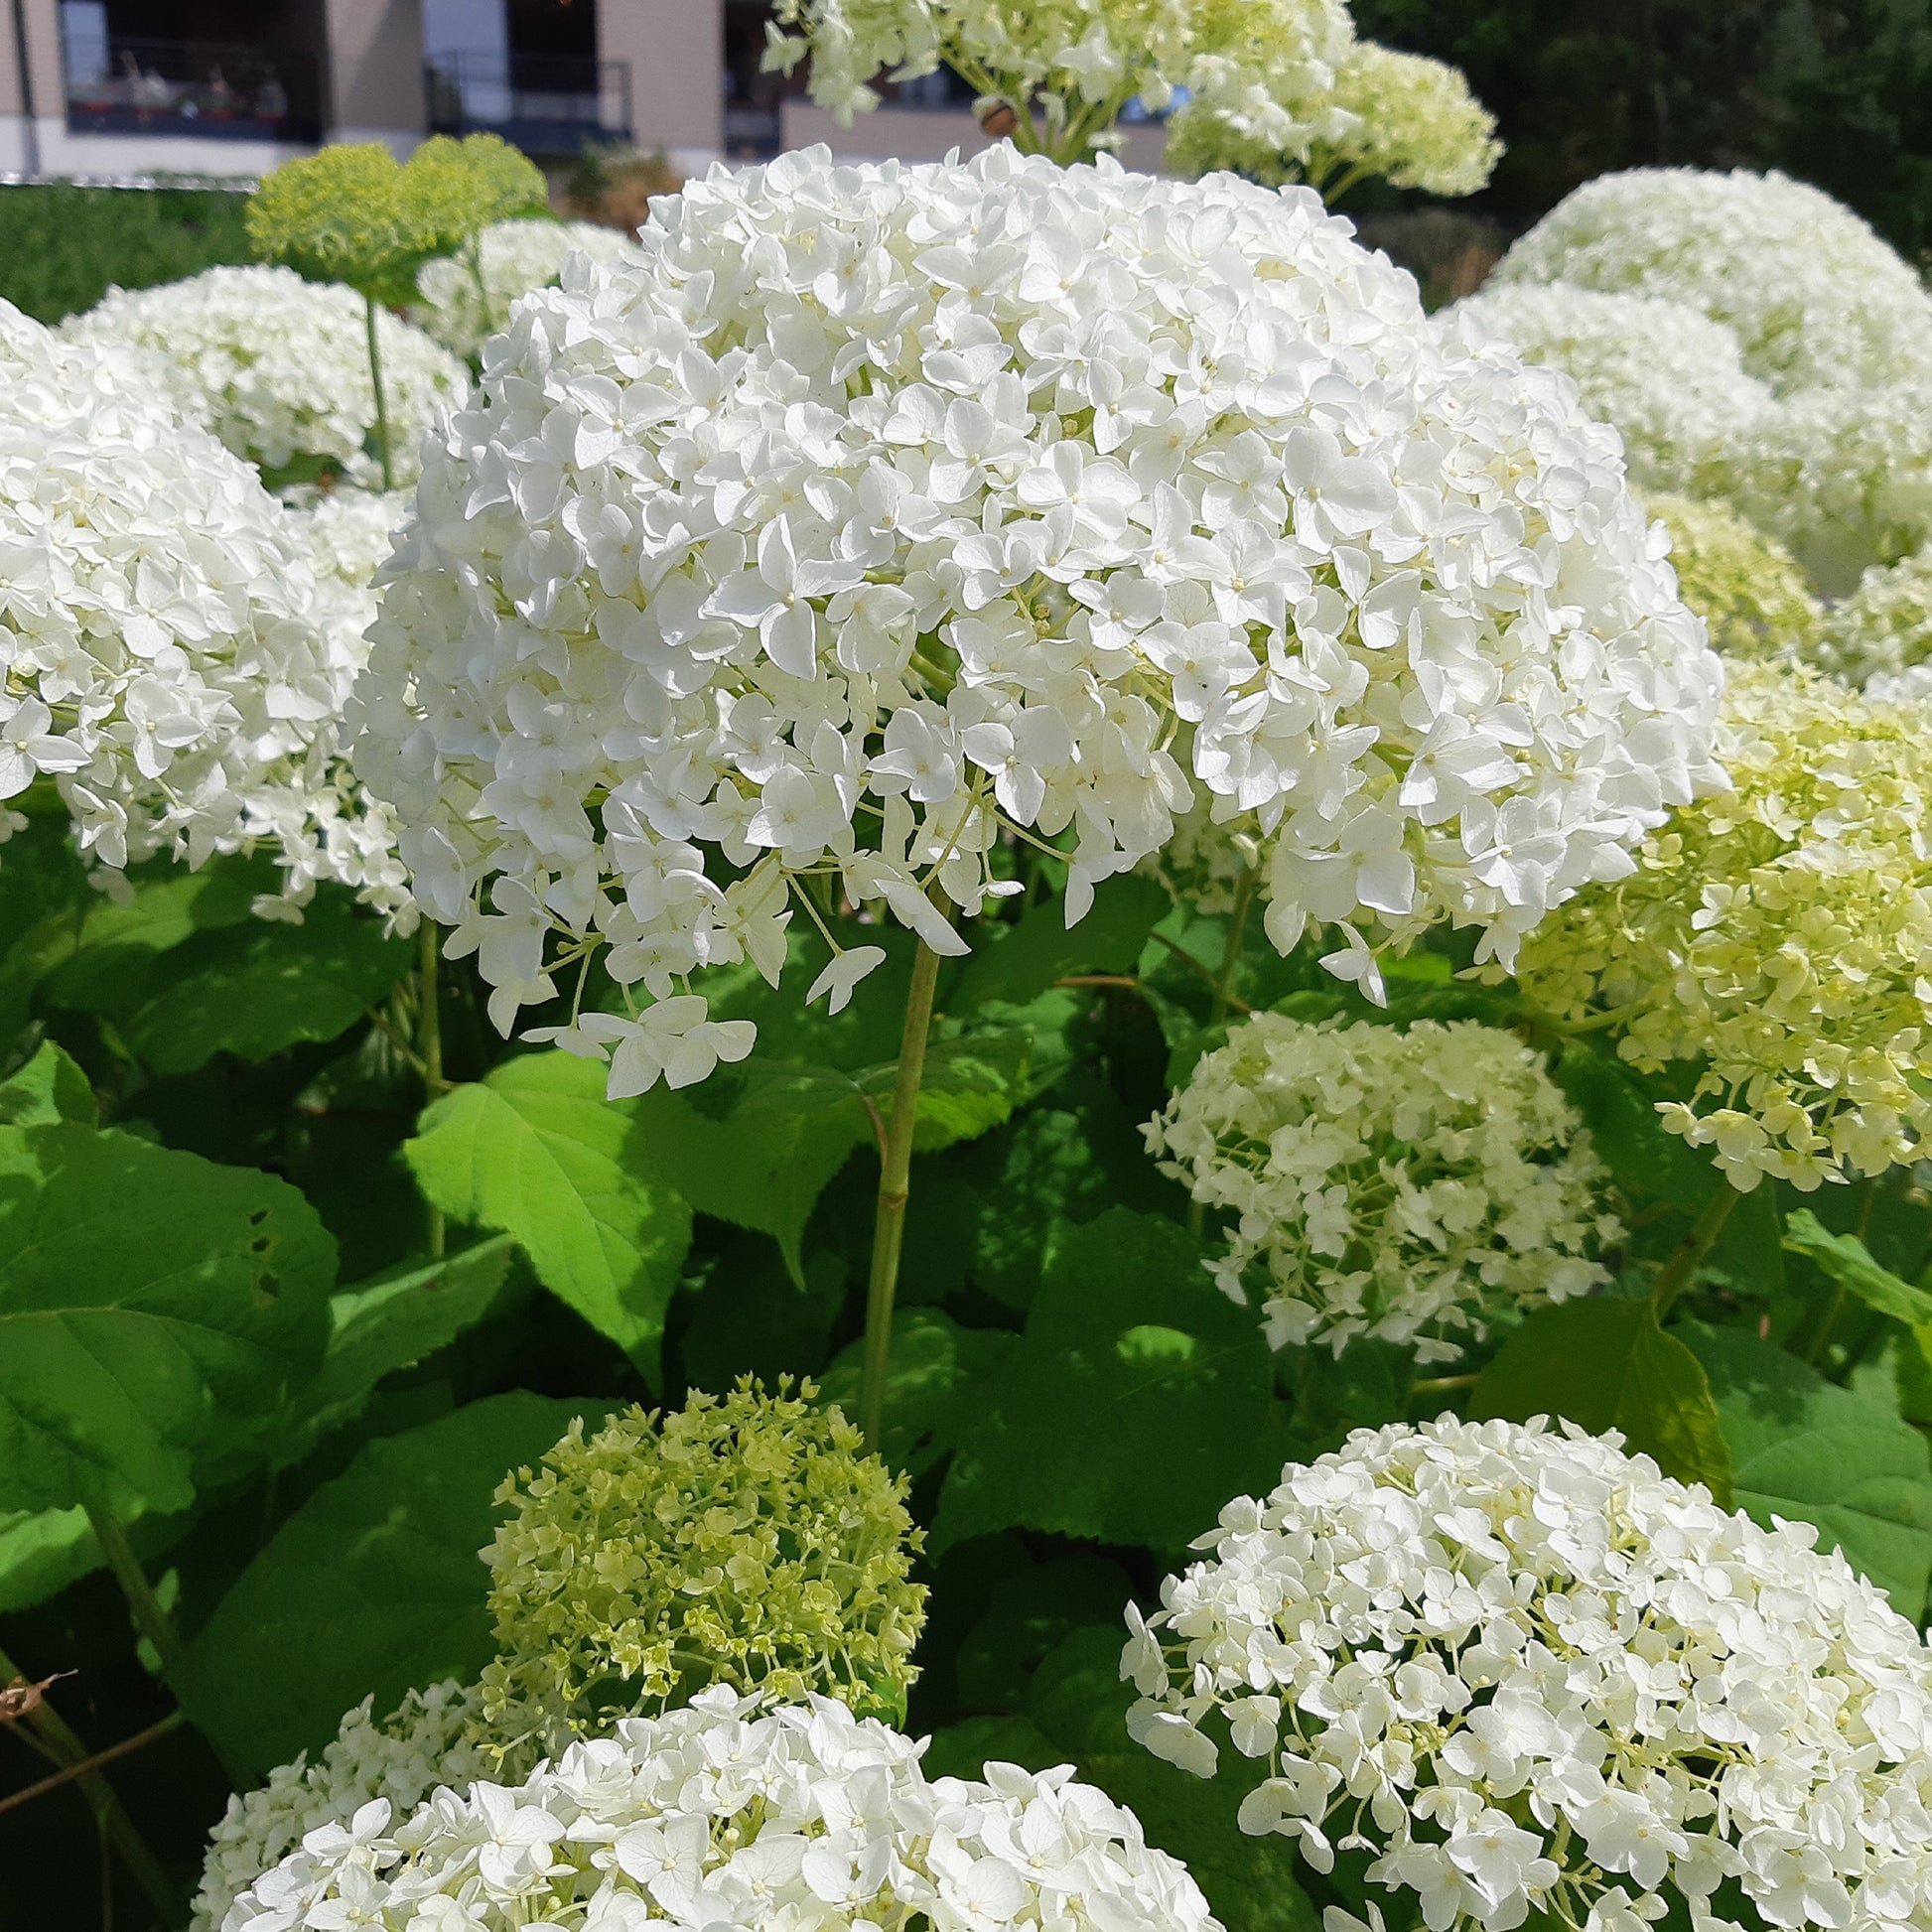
(926, 134)
(677, 51)
(376, 71)
(44, 56)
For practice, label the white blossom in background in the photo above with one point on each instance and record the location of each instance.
(468, 297)
(426, 1742)
(887, 511)
(1410, 121)
(730, 1816)
(1266, 67)
(1398, 1185)
(1669, 379)
(1815, 298)
(1532, 1675)
(278, 367)
(1880, 636)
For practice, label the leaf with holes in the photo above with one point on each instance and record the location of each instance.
(155, 1312)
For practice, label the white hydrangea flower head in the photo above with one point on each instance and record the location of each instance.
(724, 1814)
(1883, 632)
(884, 512)
(160, 659)
(1746, 586)
(425, 1742)
(1411, 122)
(1842, 477)
(467, 296)
(1669, 379)
(279, 369)
(1780, 934)
(1530, 1674)
(1267, 68)
(1400, 1186)
(1816, 298)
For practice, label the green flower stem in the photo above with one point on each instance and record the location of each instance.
(382, 407)
(1244, 899)
(153, 1622)
(49, 1735)
(895, 1190)
(1691, 1251)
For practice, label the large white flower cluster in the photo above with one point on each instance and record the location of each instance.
(1667, 378)
(1529, 1675)
(886, 510)
(727, 1815)
(1400, 1186)
(279, 369)
(466, 296)
(1816, 298)
(161, 661)
(427, 1741)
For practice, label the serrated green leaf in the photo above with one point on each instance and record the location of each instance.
(48, 1088)
(935, 1374)
(374, 1585)
(1140, 1401)
(1016, 963)
(536, 1152)
(253, 989)
(968, 1086)
(155, 1312)
(1605, 1364)
(1845, 1260)
(1803, 1448)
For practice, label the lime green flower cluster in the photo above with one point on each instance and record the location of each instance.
(1410, 121)
(748, 1542)
(353, 213)
(1781, 934)
(1747, 586)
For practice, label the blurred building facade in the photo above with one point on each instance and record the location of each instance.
(108, 89)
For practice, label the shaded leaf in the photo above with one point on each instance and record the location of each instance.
(1605, 1364)
(1845, 1260)
(374, 1585)
(536, 1152)
(1620, 1111)
(48, 1088)
(1016, 963)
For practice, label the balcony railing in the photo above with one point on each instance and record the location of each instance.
(542, 103)
(216, 92)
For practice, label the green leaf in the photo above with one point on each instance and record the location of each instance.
(1845, 1260)
(373, 1585)
(756, 1145)
(1605, 1364)
(535, 1150)
(969, 1084)
(1648, 1161)
(155, 1311)
(965, 1750)
(1018, 962)
(41, 1552)
(1803, 1448)
(253, 989)
(936, 1372)
(392, 1323)
(1028, 1616)
(1140, 1401)
(48, 1088)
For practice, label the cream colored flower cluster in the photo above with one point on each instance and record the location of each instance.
(884, 512)
(1881, 635)
(1400, 1186)
(1669, 379)
(1267, 68)
(1532, 1675)
(424, 1744)
(1412, 122)
(162, 660)
(724, 1815)
(279, 367)
(466, 296)
(1746, 586)
(1781, 934)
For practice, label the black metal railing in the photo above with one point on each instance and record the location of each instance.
(232, 92)
(545, 103)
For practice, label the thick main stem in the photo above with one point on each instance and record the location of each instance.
(149, 1619)
(58, 1742)
(1691, 1251)
(381, 405)
(895, 1190)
